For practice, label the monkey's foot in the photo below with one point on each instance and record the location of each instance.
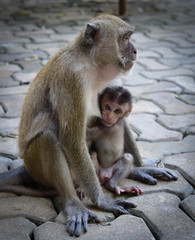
(77, 217)
(135, 191)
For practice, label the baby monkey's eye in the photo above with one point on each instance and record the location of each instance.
(107, 107)
(117, 111)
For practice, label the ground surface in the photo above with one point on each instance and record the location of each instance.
(163, 118)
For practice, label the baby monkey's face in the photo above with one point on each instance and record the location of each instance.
(112, 112)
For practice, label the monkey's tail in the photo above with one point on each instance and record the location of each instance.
(15, 177)
(22, 190)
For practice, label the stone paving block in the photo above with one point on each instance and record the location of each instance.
(17, 56)
(9, 147)
(8, 82)
(167, 52)
(8, 125)
(146, 107)
(13, 48)
(167, 73)
(16, 163)
(181, 187)
(3, 168)
(23, 77)
(34, 33)
(63, 37)
(9, 68)
(185, 82)
(30, 65)
(188, 206)
(153, 88)
(124, 228)
(154, 131)
(43, 46)
(191, 131)
(179, 122)
(169, 102)
(163, 216)
(5, 161)
(13, 104)
(153, 64)
(37, 210)
(157, 150)
(187, 98)
(14, 90)
(16, 229)
(184, 163)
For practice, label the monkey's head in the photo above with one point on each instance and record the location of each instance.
(108, 39)
(115, 103)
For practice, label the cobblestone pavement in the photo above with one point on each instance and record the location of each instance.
(163, 119)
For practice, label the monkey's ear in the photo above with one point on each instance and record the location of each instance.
(91, 33)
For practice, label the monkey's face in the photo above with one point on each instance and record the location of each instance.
(109, 39)
(127, 50)
(112, 112)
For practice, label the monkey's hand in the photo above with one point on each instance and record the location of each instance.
(150, 175)
(78, 216)
(118, 207)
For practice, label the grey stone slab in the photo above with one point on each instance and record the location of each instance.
(153, 131)
(191, 131)
(9, 147)
(8, 125)
(16, 229)
(30, 65)
(9, 68)
(153, 88)
(14, 90)
(34, 33)
(5, 161)
(157, 150)
(164, 217)
(167, 73)
(17, 56)
(37, 210)
(24, 77)
(187, 98)
(184, 163)
(153, 64)
(124, 228)
(179, 122)
(142, 106)
(169, 102)
(185, 82)
(13, 104)
(16, 163)
(188, 206)
(181, 187)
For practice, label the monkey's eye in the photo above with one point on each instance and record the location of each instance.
(117, 111)
(126, 37)
(107, 107)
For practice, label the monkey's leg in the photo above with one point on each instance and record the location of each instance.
(150, 175)
(121, 170)
(47, 164)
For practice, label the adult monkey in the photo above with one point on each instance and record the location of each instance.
(58, 106)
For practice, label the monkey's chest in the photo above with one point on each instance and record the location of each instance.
(109, 150)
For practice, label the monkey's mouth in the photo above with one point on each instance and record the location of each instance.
(107, 124)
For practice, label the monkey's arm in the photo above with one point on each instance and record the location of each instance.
(130, 145)
(93, 133)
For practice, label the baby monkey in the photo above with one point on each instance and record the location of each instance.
(107, 136)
